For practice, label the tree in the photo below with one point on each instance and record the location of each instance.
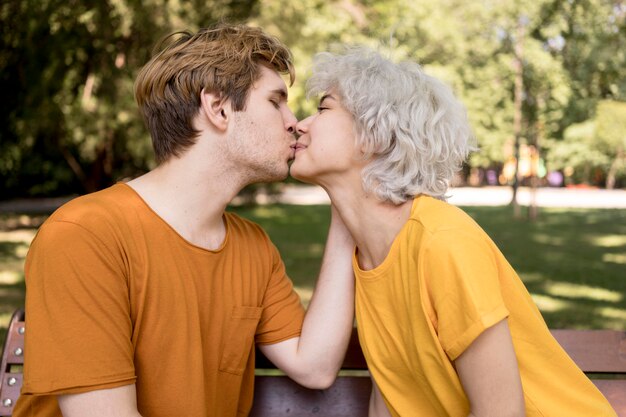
(611, 137)
(589, 37)
(576, 155)
(67, 68)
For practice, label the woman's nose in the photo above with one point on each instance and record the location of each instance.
(302, 126)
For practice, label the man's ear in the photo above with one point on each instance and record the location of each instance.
(216, 109)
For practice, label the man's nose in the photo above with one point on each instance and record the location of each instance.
(290, 122)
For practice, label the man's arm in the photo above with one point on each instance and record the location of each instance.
(111, 402)
(490, 376)
(314, 358)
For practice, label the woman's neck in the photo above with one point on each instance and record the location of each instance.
(374, 224)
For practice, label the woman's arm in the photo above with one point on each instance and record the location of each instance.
(378, 408)
(314, 358)
(490, 376)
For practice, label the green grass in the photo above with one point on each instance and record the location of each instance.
(573, 261)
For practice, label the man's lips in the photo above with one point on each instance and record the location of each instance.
(298, 147)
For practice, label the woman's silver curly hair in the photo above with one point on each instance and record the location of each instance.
(410, 124)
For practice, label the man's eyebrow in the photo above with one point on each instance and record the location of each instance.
(281, 92)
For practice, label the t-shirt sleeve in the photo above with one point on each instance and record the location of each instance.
(464, 289)
(78, 334)
(283, 312)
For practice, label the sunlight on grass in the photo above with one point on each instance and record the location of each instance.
(268, 212)
(10, 277)
(609, 241)
(25, 236)
(612, 318)
(315, 249)
(549, 304)
(549, 240)
(305, 294)
(528, 277)
(617, 258)
(570, 290)
(613, 313)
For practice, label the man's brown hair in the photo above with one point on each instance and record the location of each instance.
(223, 59)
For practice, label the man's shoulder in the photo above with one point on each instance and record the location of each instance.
(242, 224)
(243, 227)
(91, 210)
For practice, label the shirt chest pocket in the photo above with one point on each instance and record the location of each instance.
(239, 338)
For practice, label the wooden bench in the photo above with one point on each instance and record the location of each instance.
(600, 353)
(12, 364)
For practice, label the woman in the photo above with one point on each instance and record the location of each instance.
(446, 325)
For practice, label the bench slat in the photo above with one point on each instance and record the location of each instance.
(279, 396)
(595, 350)
(592, 350)
(615, 391)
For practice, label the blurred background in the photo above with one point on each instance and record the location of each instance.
(547, 74)
(543, 80)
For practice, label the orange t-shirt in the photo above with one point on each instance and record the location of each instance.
(115, 296)
(442, 284)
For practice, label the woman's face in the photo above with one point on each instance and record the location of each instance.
(327, 144)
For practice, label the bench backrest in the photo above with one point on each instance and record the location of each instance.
(12, 363)
(601, 353)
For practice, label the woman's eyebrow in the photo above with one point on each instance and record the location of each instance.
(326, 96)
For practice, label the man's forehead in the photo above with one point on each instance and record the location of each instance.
(271, 81)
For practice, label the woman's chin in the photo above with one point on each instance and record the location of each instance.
(297, 174)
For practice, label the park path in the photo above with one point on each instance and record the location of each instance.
(463, 196)
(490, 196)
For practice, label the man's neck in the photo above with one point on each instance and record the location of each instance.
(190, 197)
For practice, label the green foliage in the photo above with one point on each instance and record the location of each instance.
(577, 149)
(68, 122)
(611, 126)
(597, 143)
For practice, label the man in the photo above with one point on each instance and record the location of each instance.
(147, 298)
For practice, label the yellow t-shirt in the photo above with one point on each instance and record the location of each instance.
(442, 284)
(115, 296)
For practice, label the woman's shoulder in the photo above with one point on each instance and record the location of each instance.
(436, 215)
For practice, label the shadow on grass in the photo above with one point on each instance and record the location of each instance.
(9, 251)
(571, 260)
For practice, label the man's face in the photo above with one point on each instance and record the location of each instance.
(262, 137)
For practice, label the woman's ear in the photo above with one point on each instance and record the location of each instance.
(216, 109)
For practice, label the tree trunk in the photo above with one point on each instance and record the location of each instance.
(517, 115)
(610, 176)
